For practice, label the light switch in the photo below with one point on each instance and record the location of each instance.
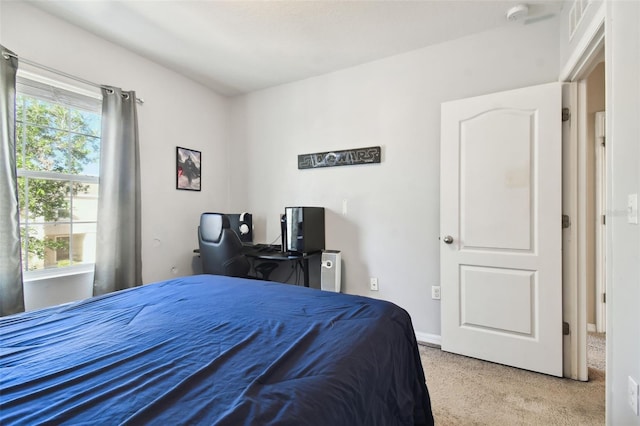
(632, 393)
(632, 208)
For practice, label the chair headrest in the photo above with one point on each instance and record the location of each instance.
(211, 226)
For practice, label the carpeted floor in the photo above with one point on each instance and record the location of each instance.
(467, 391)
(596, 348)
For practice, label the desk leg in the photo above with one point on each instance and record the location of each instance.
(305, 267)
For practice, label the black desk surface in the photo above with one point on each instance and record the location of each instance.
(270, 252)
(273, 252)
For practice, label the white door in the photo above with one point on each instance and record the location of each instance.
(500, 223)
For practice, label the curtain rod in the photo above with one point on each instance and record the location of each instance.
(7, 55)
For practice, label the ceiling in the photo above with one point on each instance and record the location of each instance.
(239, 46)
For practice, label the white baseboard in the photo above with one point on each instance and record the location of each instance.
(429, 339)
(591, 328)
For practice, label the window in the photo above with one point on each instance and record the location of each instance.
(58, 158)
(62, 251)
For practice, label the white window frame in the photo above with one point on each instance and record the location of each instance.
(43, 274)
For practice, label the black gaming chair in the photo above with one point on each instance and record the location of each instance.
(221, 250)
(220, 247)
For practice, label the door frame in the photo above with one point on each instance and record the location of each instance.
(573, 294)
(601, 207)
(587, 54)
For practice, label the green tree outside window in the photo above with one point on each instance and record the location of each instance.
(58, 155)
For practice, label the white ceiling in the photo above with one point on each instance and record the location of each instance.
(241, 46)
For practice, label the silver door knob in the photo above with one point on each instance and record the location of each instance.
(448, 239)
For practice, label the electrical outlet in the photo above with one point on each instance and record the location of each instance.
(633, 395)
(373, 284)
(435, 292)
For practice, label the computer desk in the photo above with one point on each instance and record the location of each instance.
(267, 252)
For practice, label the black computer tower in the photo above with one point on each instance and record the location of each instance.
(304, 228)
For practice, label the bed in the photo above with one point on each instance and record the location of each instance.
(211, 350)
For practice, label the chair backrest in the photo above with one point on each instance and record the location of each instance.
(220, 247)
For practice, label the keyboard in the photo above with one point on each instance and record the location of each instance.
(265, 248)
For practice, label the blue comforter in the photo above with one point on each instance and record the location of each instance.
(213, 350)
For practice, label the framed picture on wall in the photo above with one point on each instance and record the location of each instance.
(188, 166)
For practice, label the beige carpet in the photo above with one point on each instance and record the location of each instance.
(596, 348)
(467, 391)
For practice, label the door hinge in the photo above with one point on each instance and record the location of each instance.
(604, 219)
(566, 114)
(566, 222)
(565, 328)
(604, 297)
(604, 141)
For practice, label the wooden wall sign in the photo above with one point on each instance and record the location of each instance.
(346, 157)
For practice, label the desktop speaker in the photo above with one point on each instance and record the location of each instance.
(331, 270)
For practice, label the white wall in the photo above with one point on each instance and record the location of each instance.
(176, 112)
(40, 293)
(623, 239)
(392, 226)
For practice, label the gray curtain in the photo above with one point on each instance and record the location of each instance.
(118, 259)
(11, 291)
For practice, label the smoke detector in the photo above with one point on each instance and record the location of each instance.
(517, 12)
